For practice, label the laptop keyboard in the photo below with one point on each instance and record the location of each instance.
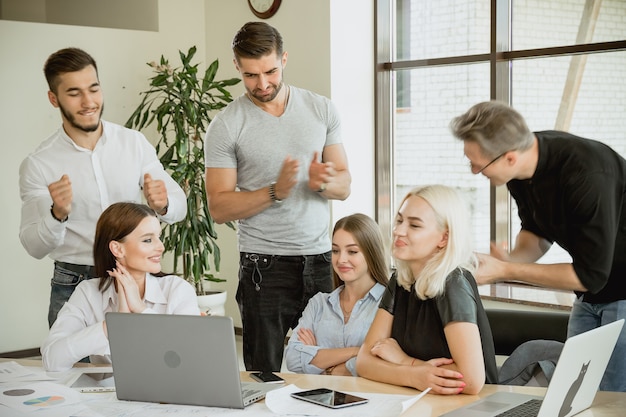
(528, 409)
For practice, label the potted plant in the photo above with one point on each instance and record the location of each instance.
(181, 102)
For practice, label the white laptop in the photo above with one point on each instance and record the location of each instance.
(573, 385)
(178, 359)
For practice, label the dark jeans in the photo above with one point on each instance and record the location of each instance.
(66, 278)
(272, 293)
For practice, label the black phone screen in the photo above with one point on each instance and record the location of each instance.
(266, 377)
(329, 398)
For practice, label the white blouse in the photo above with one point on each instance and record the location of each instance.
(78, 331)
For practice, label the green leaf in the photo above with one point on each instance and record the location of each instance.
(181, 106)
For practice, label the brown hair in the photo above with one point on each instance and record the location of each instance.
(256, 40)
(115, 223)
(66, 60)
(368, 236)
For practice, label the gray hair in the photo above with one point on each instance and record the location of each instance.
(496, 128)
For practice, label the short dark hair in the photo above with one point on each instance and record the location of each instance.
(256, 40)
(66, 60)
(115, 223)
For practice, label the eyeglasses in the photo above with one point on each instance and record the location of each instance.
(490, 162)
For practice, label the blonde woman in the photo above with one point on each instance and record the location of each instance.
(431, 330)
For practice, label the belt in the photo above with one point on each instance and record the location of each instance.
(87, 270)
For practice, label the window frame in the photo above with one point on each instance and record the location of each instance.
(499, 57)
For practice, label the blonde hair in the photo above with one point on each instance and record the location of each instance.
(452, 215)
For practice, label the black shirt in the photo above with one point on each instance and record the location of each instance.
(418, 324)
(575, 198)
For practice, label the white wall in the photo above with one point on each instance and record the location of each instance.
(341, 69)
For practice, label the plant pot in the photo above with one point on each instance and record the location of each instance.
(212, 302)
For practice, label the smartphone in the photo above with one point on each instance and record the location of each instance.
(329, 398)
(268, 377)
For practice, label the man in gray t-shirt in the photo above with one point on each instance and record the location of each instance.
(273, 159)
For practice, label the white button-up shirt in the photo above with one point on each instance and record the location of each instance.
(112, 172)
(78, 331)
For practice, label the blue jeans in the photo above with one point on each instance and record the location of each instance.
(63, 283)
(587, 316)
(272, 293)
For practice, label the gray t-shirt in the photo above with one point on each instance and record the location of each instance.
(254, 142)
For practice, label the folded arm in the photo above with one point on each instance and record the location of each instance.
(414, 373)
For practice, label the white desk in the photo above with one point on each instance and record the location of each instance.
(606, 404)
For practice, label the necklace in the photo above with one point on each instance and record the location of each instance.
(346, 313)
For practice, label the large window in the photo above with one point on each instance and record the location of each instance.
(561, 63)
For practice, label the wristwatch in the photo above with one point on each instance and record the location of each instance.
(273, 193)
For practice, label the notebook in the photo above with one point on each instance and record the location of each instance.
(573, 385)
(178, 359)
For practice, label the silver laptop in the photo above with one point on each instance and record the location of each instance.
(178, 359)
(573, 385)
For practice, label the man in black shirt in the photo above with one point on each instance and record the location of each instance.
(568, 190)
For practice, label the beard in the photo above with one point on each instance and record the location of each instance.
(266, 99)
(85, 128)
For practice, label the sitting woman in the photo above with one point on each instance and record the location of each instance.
(127, 254)
(333, 326)
(431, 330)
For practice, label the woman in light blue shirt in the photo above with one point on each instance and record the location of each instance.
(333, 325)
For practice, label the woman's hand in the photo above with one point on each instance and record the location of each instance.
(128, 295)
(431, 374)
(389, 350)
(307, 337)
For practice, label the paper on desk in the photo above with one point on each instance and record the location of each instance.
(279, 401)
(13, 371)
(37, 396)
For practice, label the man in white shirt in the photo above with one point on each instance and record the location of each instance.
(81, 169)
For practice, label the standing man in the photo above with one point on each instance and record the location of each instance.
(568, 190)
(84, 167)
(274, 158)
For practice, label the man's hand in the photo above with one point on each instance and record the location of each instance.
(490, 269)
(320, 173)
(500, 252)
(61, 193)
(155, 193)
(287, 178)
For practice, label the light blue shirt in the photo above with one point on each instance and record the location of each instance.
(324, 317)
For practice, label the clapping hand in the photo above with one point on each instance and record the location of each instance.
(320, 173)
(287, 178)
(129, 298)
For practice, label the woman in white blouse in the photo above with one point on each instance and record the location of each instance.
(127, 254)
(333, 325)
